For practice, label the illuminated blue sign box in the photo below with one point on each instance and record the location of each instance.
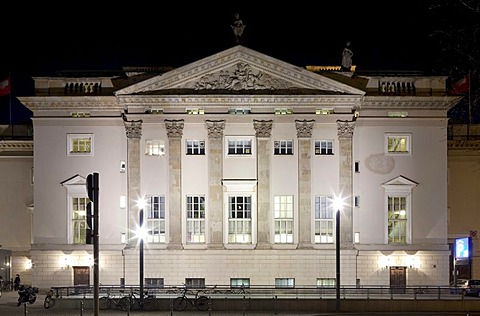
(462, 248)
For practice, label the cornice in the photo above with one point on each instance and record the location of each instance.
(228, 100)
(16, 145)
(104, 103)
(410, 102)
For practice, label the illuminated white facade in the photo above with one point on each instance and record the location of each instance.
(239, 155)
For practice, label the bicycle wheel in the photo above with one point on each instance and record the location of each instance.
(125, 303)
(149, 303)
(103, 303)
(180, 303)
(201, 303)
(48, 302)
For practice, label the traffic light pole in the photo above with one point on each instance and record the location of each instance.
(93, 195)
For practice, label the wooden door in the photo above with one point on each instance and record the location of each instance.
(398, 279)
(81, 276)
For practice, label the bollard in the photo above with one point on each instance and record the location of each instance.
(81, 308)
(275, 304)
(209, 306)
(25, 311)
(244, 307)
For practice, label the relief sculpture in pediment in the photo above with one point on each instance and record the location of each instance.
(243, 77)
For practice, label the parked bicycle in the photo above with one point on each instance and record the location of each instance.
(199, 301)
(49, 300)
(149, 301)
(109, 301)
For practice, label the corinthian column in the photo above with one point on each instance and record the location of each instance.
(263, 130)
(175, 133)
(345, 134)
(134, 134)
(304, 135)
(215, 189)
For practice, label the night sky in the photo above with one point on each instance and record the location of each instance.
(40, 39)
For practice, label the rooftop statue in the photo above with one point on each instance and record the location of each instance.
(347, 58)
(238, 28)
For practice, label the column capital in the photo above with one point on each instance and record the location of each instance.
(133, 129)
(345, 128)
(174, 128)
(263, 128)
(304, 128)
(215, 128)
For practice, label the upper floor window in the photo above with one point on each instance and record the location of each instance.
(398, 143)
(154, 147)
(80, 144)
(239, 146)
(79, 219)
(283, 214)
(240, 219)
(326, 282)
(155, 219)
(154, 282)
(324, 147)
(195, 282)
(240, 282)
(283, 147)
(195, 147)
(195, 219)
(324, 222)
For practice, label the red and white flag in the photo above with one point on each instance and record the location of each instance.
(5, 87)
(461, 86)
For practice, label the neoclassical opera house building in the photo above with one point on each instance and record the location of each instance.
(238, 157)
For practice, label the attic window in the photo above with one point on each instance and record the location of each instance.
(80, 114)
(195, 111)
(239, 111)
(282, 111)
(397, 114)
(324, 111)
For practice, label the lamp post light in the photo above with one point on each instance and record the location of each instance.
(337, 206)
(141, 237)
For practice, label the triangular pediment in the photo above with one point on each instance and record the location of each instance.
(239, 69)
(75, 180)
(400, 181)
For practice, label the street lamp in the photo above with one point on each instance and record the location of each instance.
(141, 233)
(337, 206)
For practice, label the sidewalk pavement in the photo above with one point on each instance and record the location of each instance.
(8, 307)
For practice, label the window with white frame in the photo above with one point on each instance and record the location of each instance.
(155, 219)
(79, 144)
(154, 147)
(195, 219)
(398, 193)
(79, 219)
(240, 146)
(324, 221)
(398, 143)
(324, 147)
(283, 217)
(283, 147)
(397, 219)
(326, 282)
(284, 282)
(240, 219)
(195, 147)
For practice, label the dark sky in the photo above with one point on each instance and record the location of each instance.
(90, 35)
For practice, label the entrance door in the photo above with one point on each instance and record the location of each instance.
(81, 276)
(398, 279)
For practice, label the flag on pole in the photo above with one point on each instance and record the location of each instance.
(461, 86)
(5, 87)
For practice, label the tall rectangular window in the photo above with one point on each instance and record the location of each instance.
(324, 222)
(283, 214)
(195, 147)
(195, 219)
(79, 219)
(79, 144)
(283, 147)
(240, 147)
(155, 219)
(240, 219)
(397, 219)
(324, 147)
